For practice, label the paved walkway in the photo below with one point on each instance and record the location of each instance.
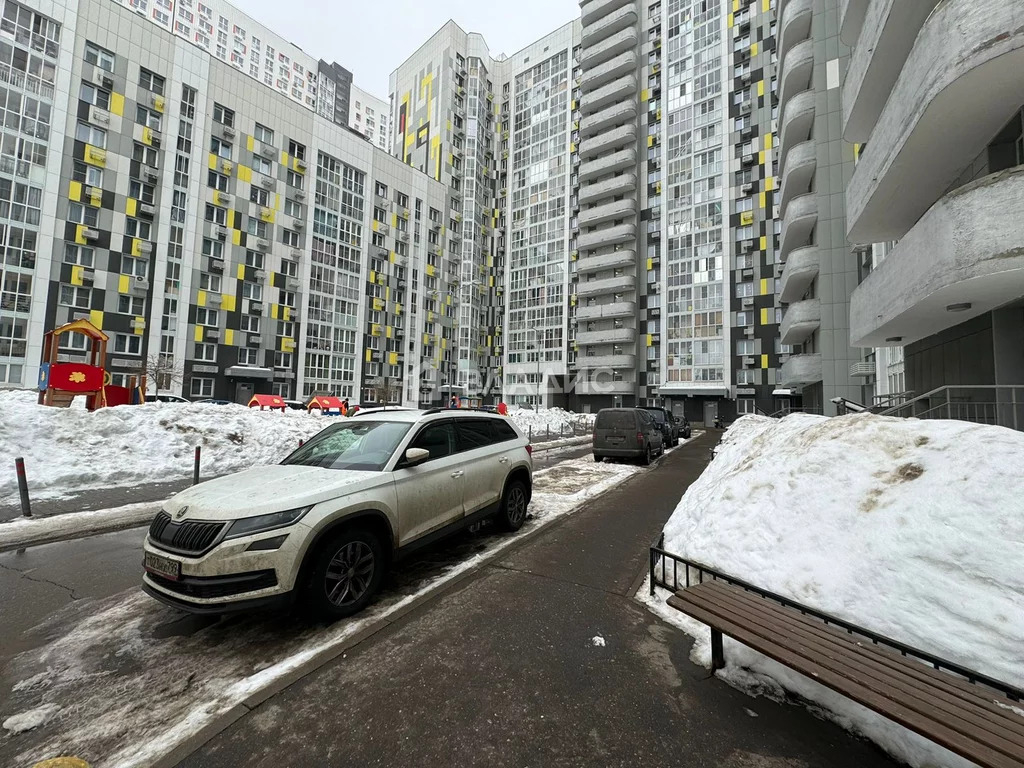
(504, 670)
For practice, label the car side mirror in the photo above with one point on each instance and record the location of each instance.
(414, 456)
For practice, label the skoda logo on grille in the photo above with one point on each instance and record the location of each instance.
(180, 513)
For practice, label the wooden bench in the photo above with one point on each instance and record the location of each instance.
(957, 712)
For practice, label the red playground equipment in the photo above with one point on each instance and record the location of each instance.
(60, 382)
(327, 405)
(273, 402)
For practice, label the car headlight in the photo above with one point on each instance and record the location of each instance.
(247, 526)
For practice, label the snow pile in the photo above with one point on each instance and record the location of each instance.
(544, 420)
(34, 718)
(914, 529)
(67, 449)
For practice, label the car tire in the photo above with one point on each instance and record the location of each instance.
(514, 502)
(647, 457)
(597, 458)
(346, 572)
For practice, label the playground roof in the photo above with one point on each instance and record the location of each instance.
(81, 326)
(325, 402)
(268, 401)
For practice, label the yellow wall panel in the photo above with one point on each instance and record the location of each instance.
(236, 236)
(75, 190)
(227, 302)
(117, 104)
(122, 284)
(201, 299)
(764, 316)
(240, 272)
(764, 243)
(96, 318)
(131, 207)
(764, 361)
(245, 173)
(229, 337)
(76, 274)
(140, 325)
(250, 143)
(753, 49)
(198, 335)
(764, 286)
(212, 161)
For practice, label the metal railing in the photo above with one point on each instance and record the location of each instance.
(997, 404)
(695, 573)
(783, 412)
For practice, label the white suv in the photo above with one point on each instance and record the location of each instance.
(325, 523)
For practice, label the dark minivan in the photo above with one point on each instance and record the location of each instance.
(627, 433)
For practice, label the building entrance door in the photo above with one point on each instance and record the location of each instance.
(710, 412)
(243, 393)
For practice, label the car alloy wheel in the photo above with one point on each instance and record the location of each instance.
(513, 506)
(350, 574)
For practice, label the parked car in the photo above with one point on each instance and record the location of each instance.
(627, 433)
(684, 427)
(667, 424)
(162, 398)
(324, 524)
(213, 401)
(295, 405)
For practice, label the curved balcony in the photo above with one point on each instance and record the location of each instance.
(797, 121)
(604, 26)
(617, 284)
(624, 135)
(622, 64)
(608, 336)
(624, 158)
(617, 209)
(617, 90)
(616, 114)
(617, 185)
(609, 311)
(801, 320)
(801, 268)
(965, 249)
(620, 233)
(797, 70)
(795, 25)
(800, 370)
(589, 362)
(601, 262)
(959, 87)
(616, 44)
(594, 9)
(798, 223)
(889, 31)
(801, 163)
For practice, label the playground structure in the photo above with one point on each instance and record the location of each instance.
(61, 382)
(273, 402)
(327, 405)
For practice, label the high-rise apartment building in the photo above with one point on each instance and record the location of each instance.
(819, 272)
(933, 97)
(369, 116)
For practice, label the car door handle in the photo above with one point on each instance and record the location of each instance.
(503, 460)
(459, 473)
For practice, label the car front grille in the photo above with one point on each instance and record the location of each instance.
(216, 586)
(189, 537)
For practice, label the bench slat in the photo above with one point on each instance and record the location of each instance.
(940, 689)
(892, 708)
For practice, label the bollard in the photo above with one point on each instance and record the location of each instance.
(195, 468)
(301, 442)
(531, 433)
(26, 509)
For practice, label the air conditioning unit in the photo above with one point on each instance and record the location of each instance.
(221, 233)
(746, 302)
(255, 308)
(90, 234)
(745, 78)
(253, 340)
(266, 182)
(140, 285)
(260, 275)
(300, 165)
(747, 188)
(150, 172)
(299, 195)
(296, 253)
(138, 324)
(403, 236)
(748, 362)
(748, 159)
(145, 209)
(745, 107)
(213, 334)
(216, 265)
(88, 274)
(267, 151)
(747, 246)
(298, 224)
(227, 132)
(291, 283)
(97, 115)
(155, 137)
(213, 299)
(748, 331)
(226, 166)
(145, 247)
(262, 245)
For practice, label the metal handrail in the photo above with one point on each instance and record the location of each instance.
(956, 399)
(658, 551)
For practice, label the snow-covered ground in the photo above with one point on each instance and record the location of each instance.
(550, 421)
(122, 681)
(70, 449)
(914, 529)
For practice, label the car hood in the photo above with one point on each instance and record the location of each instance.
(275, 488)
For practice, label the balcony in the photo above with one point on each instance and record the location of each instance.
(623, 258)
(609, 336)
(795, 25)
(851, 19)
(617, 209)
(622, 64)
(607, 25)
(618, 185)
(966, 250)
(590, 362)
(797, 121)
(863, 369)
(799, 371)
(607, 311)
(967, 61)
(609, 236)
(798, 223)
(604, 50)
(801, 320)
(618, 284)
(605, 386)
(591, 10)
(601, 166)
(607, 94)
(889, 31)
(797, 174)
(801, 268)
(624, 135)
(797, 70)
(616, 114)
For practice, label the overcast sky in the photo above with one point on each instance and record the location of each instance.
(372, 37)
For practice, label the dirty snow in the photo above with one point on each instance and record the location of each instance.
(597, 641)
(40, 530)
(911, 528)
(34, 718)
(140, 678)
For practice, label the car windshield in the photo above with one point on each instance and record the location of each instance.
(659, 416)
(357, 445)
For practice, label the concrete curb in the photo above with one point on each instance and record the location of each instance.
(556, 444)
(49, 530)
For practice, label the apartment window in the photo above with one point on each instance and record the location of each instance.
(127, 344)
(402, 200)
(75, 296)
(220, 148)
(252, 291)
(145, 155)
(745, 405)
(744, 289)
(254, 259)
(87, 174)
(263, 134)
(250, 357)
(131, 305)
(201, 387)
(151, 81)
(216, 214)
(78, 254)
(381, 190)
(96, 96)
(746, 347)
(250, 323)
(83, 214)
(743, 319)
(101, 57)
(290, 238)
(289, 268)
(134, 267)
(148, 117)
(259, 196)
(283, 360)
(91, 135)
(262, 165)
(206, 353)
(138, 228)
(217, 181)
(213, 248)
(751, 376)
(209, 282)
(256, 227)
(297, 150)
(208, 317)
(295, 179)
(292, 208)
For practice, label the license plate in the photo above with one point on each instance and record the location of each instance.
(162, 566)
(614, 439)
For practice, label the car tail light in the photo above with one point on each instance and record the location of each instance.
(640, 438)
(529, 449)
